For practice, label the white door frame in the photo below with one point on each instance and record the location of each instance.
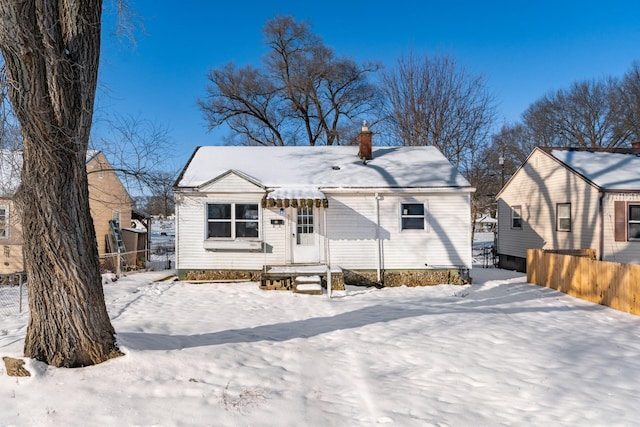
(306, 236)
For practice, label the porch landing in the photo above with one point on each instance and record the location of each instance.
(299, 278)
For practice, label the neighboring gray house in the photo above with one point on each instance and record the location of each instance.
(569, 199)
(368, 209)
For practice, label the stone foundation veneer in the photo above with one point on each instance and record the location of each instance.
(391, 278)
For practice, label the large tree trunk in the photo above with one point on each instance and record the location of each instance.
(51, 50)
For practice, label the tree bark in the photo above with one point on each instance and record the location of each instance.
(51, 50)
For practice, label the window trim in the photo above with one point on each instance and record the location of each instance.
(424, 216)
(559, 218)
(5, 235)
(629, 221)
(233, 220)
(116, 216)
(514, 217)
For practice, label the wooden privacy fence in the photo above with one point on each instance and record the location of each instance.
(608, 283)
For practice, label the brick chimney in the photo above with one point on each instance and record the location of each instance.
(364, 142)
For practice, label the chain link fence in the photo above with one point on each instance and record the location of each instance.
(160, 257)
(484, 250)
(13, 293)
(13, 287)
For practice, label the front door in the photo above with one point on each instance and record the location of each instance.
(306, 242)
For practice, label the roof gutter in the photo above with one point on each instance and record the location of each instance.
(392, 190)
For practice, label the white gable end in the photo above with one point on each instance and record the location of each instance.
(231, 182)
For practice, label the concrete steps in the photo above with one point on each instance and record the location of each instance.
(309, 285)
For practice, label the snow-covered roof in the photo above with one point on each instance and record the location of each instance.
(324, 167)
(608, 169)
(486, 219)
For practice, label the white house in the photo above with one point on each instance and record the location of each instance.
(375, 210)
(568, 199)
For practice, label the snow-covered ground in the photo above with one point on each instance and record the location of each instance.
(498, 352)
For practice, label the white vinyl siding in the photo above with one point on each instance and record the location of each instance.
(352, 233)
(229, 183)
(538, 186)
(354, 236)
(352, 224)
(191, 230)
(191, 253)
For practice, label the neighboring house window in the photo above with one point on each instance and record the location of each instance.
(634, 222)
(7, 251)
(563, 217)
(413, 216)
(232, 220)
(516, 217)
(4, 222)
(626, 221)
(115, 215)
(100, 171)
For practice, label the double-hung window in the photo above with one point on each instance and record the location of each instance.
(634, 222)
(232, 220)
(516, 217)
(626, 221)
(4, 222)
(563, 217)
(413, 216)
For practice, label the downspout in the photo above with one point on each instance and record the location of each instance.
(263, 230)
(601, 220)
(327, 254)
(378, 242)
(176, 239)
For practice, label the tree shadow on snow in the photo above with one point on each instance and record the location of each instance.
(465, 302)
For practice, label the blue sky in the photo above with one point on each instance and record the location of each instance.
(523, 49)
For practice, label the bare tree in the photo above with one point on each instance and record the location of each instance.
(513, 143)
(630, 97)
(160, 202)
(433, 101)
(302, 94)
(588, 114)
(138, 150)
(51, 50)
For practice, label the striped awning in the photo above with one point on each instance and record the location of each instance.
(285, 197)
